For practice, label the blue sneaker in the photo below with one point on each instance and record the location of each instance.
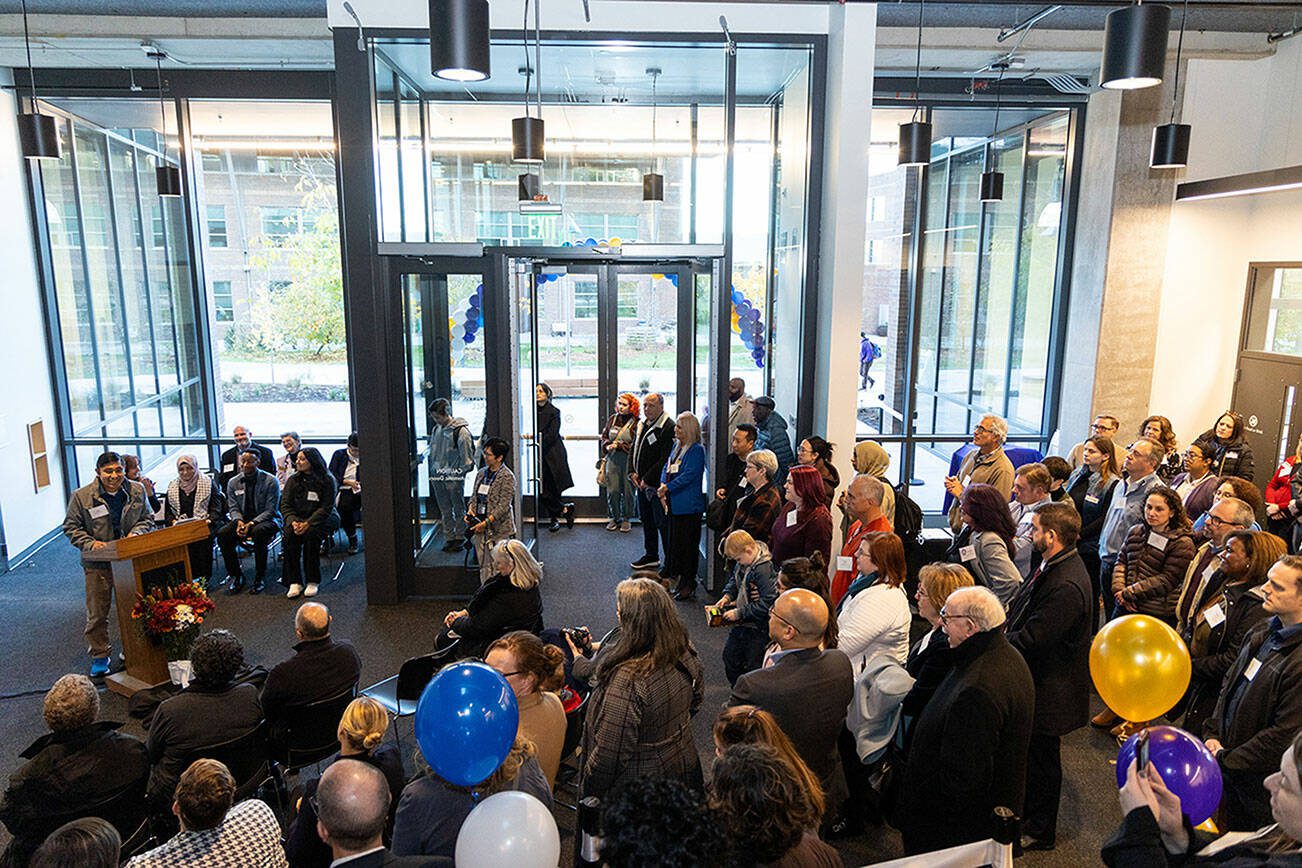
(99, 667)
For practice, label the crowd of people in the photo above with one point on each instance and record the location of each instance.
(871, 683)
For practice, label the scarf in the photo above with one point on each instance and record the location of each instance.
(194, 463)
(201, 487)
(870, 458)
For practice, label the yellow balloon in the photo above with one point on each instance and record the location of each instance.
(1140, 666)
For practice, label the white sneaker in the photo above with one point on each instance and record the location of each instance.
(294, 591)
(310, 590)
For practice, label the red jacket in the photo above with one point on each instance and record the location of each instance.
(841, 579)
(1278, 490)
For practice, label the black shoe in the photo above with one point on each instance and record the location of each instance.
(236, 585)
(258, 585)
(554, 526)
(645, 561)
(352, 545)
(1029, 843)
(569, 515)
(683, 595)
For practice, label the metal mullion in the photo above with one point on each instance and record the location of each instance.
(941, 292)
(170, 289)
(1071, 179)
(122, 296)
(85, 267)
(983, 265)
(770, 258)
(918, 274)
(694, 114)
(397, 156)
(148, 284)
(427, 175)
(1017, 276)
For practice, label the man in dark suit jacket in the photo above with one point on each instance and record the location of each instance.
(968, 754)
(1049, 621)
(320, 668)
(807, 690)
(352, 803)
(230, 463)
(651, 444)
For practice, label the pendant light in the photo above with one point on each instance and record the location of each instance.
(992, 182)
(166, 176)
(1171, 140)
(915, 136)
(527, 141)
(1134, 46)
(653, 183)
(459, 40)
(528, 186)
(38, 133)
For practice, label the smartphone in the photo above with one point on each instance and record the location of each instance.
(1141, 751)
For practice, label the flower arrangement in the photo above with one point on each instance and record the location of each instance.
(172, 616)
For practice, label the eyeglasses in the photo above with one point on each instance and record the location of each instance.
(981, 429)
(945, 617)
(1102, 427)
(774, 613)
(1218, 521)
(509, 674)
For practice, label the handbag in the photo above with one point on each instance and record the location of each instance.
(601, 471)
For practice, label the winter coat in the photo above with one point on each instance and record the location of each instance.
(554, 457)
(1150, 577)
(1228, 459)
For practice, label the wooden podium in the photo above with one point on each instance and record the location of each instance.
(148, 560)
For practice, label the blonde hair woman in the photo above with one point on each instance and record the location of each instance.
(361, 737)
(535, 672)
(508, 600)
(684, 502)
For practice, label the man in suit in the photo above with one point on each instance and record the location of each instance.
(1049, 622)
(320, 668)
(230, 463)
(352, 805)
(806, 689)
(651, 444)
(253, 502)
(968, 754)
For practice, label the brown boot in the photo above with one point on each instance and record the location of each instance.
(1105, 719)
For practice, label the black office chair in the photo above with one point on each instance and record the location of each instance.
(245, 757)
(303, 735)
(125, 809)
(399, 694)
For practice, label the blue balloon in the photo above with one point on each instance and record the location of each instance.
(591, 242)
(566, 244)
(673, 278)
(743, 307)
(466, 722)
(1187, 768)
(753, 314)
(737, 297)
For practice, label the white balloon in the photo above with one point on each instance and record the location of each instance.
(509, 828)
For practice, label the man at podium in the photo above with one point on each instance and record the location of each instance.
(108, 509)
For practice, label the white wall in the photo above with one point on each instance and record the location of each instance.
(27, 395)
(1246, 117)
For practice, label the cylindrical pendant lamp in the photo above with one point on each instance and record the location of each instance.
(992, 186)
(653, 187)
(39, 135)
(1170, 146)
(1134, 46)
(527, 186)
(459, 39)
(527, 140)
(168, 179)
(915, 143)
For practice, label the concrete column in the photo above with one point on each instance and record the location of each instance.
(851, 37)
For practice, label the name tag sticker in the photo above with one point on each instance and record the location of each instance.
(1231, 455)
(312, 495)
(1254, 665)
(1091, 498)
(967, 553)
(673, 468)
(1157, 541)
(1207, 573)
(227, 468)
(651, 439)
(483, 489)
(98, 511)
(844, 562)
(1215, 615)
(791, 518)
(239, 492)
(967, 480)
(744, 482)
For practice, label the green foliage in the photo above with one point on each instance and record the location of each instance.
(306, 316)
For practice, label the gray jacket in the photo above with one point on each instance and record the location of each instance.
(89, 520)
(991, 566)
(266, 498)
(501, 504)
(1124, 512)
(451, 451)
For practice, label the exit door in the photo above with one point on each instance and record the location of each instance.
(1270, 364)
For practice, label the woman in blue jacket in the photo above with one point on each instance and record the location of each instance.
(683, 497)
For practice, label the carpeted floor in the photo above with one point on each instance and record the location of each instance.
(42, 615)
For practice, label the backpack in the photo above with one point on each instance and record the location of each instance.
(908, 516)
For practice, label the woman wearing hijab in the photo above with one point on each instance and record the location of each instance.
(193, 497)
(870, 459)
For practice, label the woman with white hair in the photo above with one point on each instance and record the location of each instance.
(193, 497)
(508, 600)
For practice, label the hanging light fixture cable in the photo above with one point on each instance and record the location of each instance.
(27, 41)
(992, 180)
(38, 133)
(917, 67)
(1171, 140)
(1179, 50)
(915, 136)
(167, 176)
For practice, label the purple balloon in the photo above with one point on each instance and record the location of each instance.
(1186, 766)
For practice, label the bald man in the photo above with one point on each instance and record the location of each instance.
(804, 687)
(352, 804)
(320, 668)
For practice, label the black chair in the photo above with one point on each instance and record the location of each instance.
(125, 809)
(245, 756)
(568, 775)
(399, 694)
(302, 735)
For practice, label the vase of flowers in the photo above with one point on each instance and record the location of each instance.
(171, 617)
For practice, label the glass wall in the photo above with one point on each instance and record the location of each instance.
(126, 317)
(267, 191)
(989, 273)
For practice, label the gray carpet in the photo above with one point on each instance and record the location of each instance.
(41, 620)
